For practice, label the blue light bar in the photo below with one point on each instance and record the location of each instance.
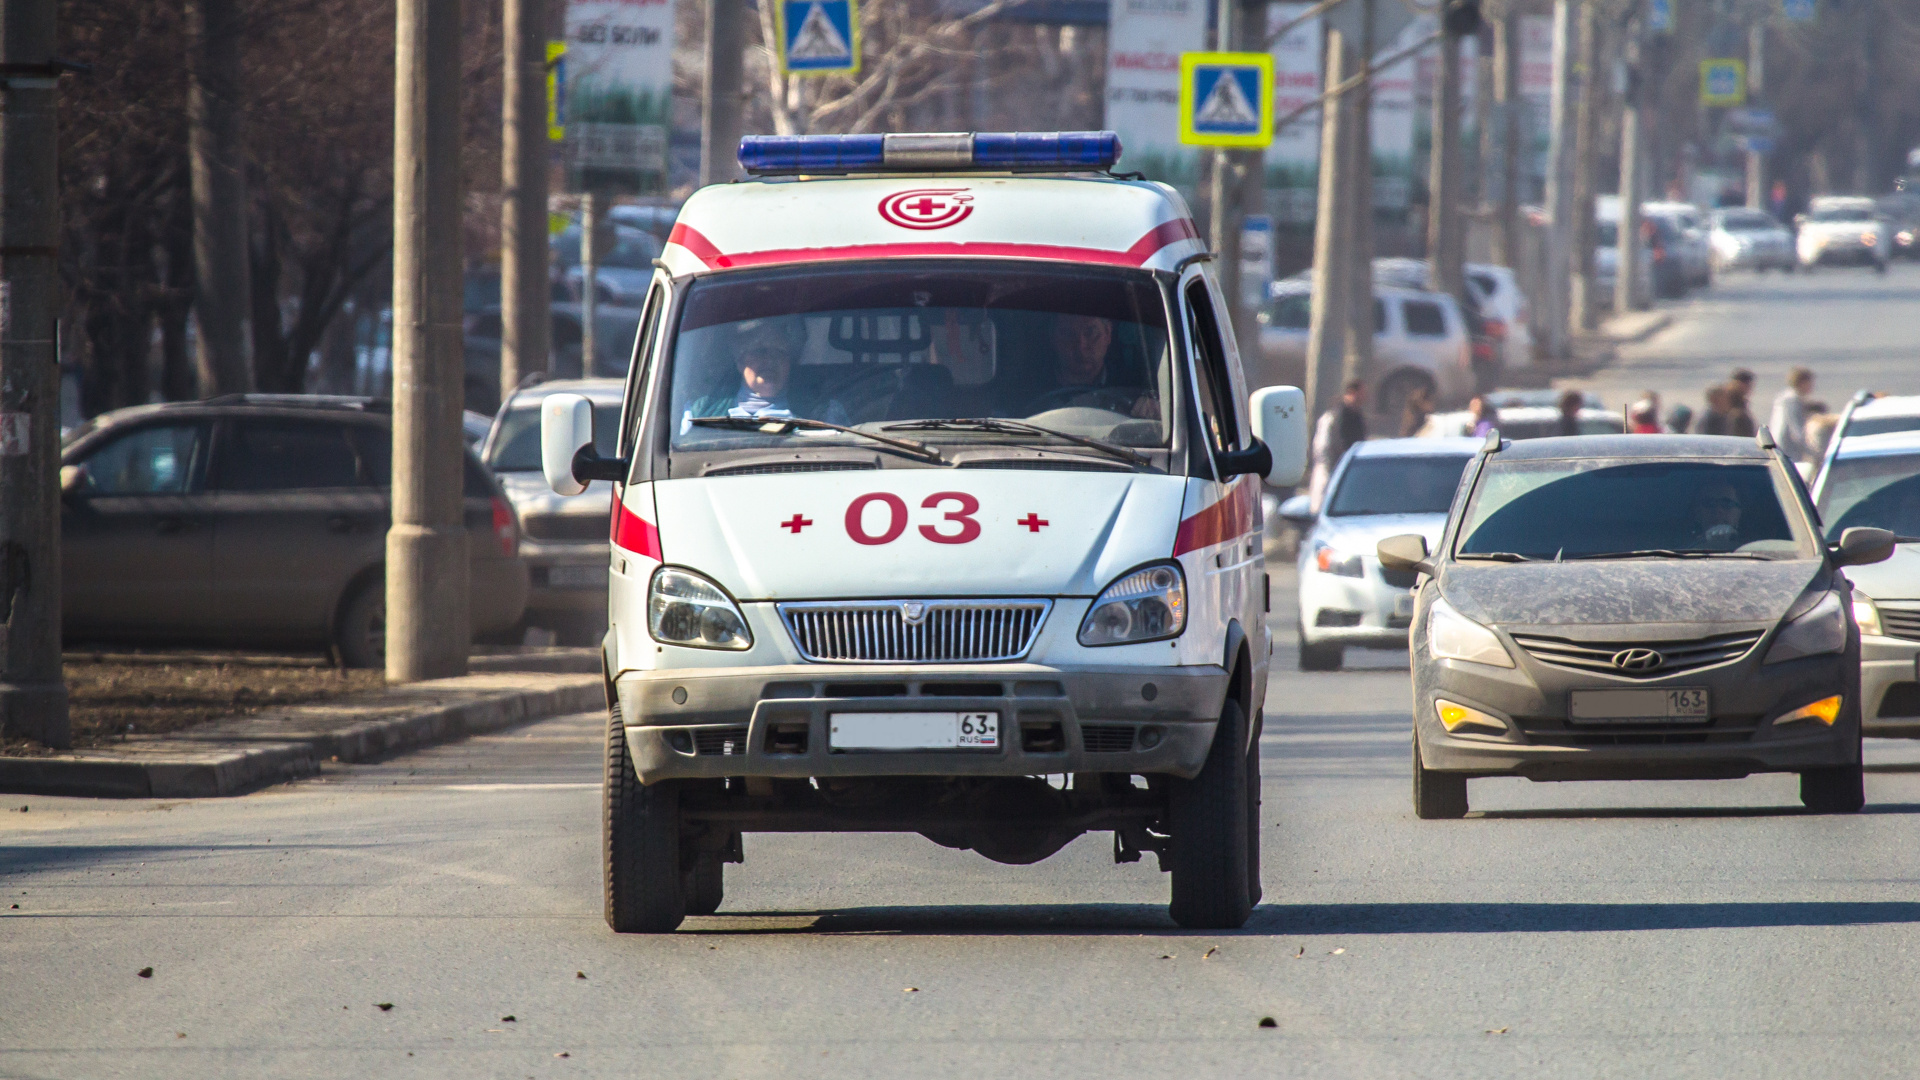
(987, 151)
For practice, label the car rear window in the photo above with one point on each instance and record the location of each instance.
(1422, 484)
(1425, 319)
(517, 447)
(1881, 491)
(1587, 508)
(1881, 425)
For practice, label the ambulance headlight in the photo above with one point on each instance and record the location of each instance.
(684, 608)
(1147, 604)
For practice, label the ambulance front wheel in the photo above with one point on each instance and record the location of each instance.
(640, 844)
(1213, 838)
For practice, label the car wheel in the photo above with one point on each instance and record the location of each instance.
(360, 636)
(1437, 795)
(1253, 813)
(706, 884)
(1838, 790)
(639, 844)
(1208, 816)
(1321, 657)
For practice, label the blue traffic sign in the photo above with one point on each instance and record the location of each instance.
(1226, 99)
(1660, 16)
(819, 37)
(1799, 10)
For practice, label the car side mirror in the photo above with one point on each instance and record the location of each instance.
(1280, 420)
(1860, 546)
(1298, 510)
(567, 456)
(1408, 551)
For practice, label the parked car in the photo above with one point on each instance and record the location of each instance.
(1634, 607)
(1526, 422)
(625, 263)
(1497, 313)
(1662, 272)
(1875, 482)
(1902, 211)
(1420, 341)
(1746, 239)
(1844, 229)
(1868, 413)
(1691, 242)
(1383, 487)
(257, 520)
(564, 538)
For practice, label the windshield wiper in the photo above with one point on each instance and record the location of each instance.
(786, 425)
(1495, 556)
(1671, 553)
(1019, 427)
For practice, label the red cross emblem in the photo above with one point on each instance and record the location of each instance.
(1034, 522)
(796, 523)
(927, 208)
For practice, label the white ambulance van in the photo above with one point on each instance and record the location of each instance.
(937, 510)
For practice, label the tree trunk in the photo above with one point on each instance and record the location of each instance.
(219, 193)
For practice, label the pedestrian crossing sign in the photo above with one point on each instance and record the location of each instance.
(1226, 99)
(819, 37)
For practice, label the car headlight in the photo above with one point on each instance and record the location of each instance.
(1867, 614)
(684, 608)
(1823, 629)
(1144, 605)
(1330, 560)
(1453, 636)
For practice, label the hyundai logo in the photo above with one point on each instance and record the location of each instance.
(913, 612)
(1638, 660)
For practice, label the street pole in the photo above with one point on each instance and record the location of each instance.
(1756, 74)
(1506, 83)
(217, 180)
(1444, 234)
(720, 92)
(1332, 237)
(589, 281)
(33, 693)
(1585, 300)
(1223, 220)
(1249, 193)
(1357, 360)
(428, 616)
(1560, 184)
(1625, 294)
(525, 291)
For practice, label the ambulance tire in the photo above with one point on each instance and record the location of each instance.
(639, 844)
(1209, 818)
(706, 884)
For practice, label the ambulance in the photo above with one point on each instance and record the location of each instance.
(936, 510)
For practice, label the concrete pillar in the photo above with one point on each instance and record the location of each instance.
(720, 91)
(1556, 296)
(1446, 245)
(1332, 237)
(1357, 360)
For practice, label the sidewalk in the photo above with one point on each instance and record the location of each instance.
(227, 757)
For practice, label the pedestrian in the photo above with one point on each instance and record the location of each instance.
(1788, 420)
(1820, 428)
(1740, 420)
(1337, 431)
(1643, 416)
(1571, 402)
(1713, 421)
(1419, 407)
(1484, 416)
(1679, 420)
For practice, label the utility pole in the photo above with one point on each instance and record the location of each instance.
(429, 629)
(1625, 280)
(216, 172)
(720, 92)
(33, 691)
(1250, 184)
(525, 292)
(589, 281)
(1756, 76)
(1357, 361)
(1585, 300)
(1506, 89)
(1223, 218)
(1332, 236)
(1445, 247)
(1560, 183)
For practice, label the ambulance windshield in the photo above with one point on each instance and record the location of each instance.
(1078, 349)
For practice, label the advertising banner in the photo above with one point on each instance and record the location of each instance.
(619, 94)
(1144, 43)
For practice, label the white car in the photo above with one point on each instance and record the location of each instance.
(1504, 313)
(939, 475)
(563, 538)
(1420, 342)
(1868, 413)
(1874, 481)
(1746, 239)
(1382, 488)
(1844, 229)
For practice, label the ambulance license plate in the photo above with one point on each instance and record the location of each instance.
(914, 731)
(1673, 705)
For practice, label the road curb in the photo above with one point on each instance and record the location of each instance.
(237, 756)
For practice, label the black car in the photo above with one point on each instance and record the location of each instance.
(257, 520)
(1618, 607)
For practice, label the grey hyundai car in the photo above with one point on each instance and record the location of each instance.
(1628, 607)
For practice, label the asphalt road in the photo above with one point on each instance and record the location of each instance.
(1597, 930)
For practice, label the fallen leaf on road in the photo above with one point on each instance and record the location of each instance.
(910, 990)
(1166, 956)
(1208, 955)
(383, 1006)
(1302, 951)
(179, 1034)
(579, 974)
(1496, 1031)
(146, 973)
(1337, 952)
(507, 1019)
(563, 1053)
(1269, 1022)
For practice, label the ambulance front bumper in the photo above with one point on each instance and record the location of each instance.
(775, 721)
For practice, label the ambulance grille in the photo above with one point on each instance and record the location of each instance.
(914, 631)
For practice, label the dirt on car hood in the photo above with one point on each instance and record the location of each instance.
(1629, 592)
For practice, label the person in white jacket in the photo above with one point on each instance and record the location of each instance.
(1788, 421)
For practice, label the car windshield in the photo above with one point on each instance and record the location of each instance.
(1411, 484)
(517, 447)
(1594, 508)
(1882, 491)
(1745, 221)
(1842, 213)
(1078, 349)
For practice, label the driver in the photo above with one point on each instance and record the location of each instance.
(1716, 516)
(1080, 345)
(764, 354)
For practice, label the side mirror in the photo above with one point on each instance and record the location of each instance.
(1861, 546)
(1280, 420)
(1298, 510)
(567, 456)
(1408, 551)
(1256, 459)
